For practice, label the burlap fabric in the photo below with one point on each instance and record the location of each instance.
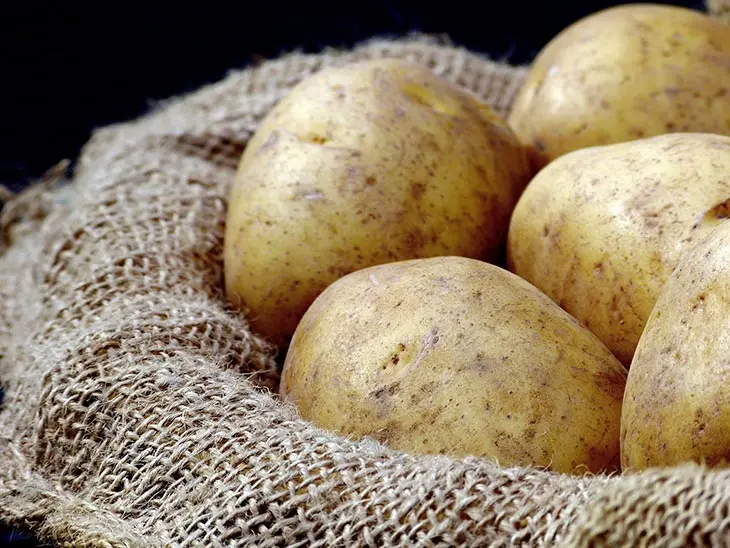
(137, 411)
(719, 9)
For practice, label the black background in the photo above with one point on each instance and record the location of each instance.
(68, 67)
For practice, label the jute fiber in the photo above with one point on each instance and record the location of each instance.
(719, 9)
(137, 408)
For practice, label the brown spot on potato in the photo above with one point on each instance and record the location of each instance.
(509, 444)
(429, 387)
(316, 139)
(718, 460)
(395, 358)
(637, 133)
(415, 240)
(698, 427)
(370, 180)
(430, 144)
(340, 92)
(385, 435)
(719, 211)
(666, 350)
(385, 392)
(480, 365)
(338, 271)
(482, 172)
(417, 190)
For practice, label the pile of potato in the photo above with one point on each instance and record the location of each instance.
(549, 290)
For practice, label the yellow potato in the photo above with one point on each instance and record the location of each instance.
(626, 73)
(374, 162)
(455, 356)
(677, 405)
(601, 229)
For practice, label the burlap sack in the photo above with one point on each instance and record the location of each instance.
(136, 411)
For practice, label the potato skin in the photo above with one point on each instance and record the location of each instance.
(370, 163)
(677, 405)
(455, 356)
(626, 73)
(601, 229)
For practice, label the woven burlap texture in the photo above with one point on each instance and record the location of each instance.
(719, 9)
(137, 410)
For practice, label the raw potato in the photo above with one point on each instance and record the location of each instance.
(626, 73)
(601, 229)
(677, 405)
(456, 356)
(371, 163)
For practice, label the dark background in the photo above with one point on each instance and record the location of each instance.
(70, 67)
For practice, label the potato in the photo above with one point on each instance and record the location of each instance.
(450, 355)
(370, 163)
(627, 73)
(677, 406)
(601, 229)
